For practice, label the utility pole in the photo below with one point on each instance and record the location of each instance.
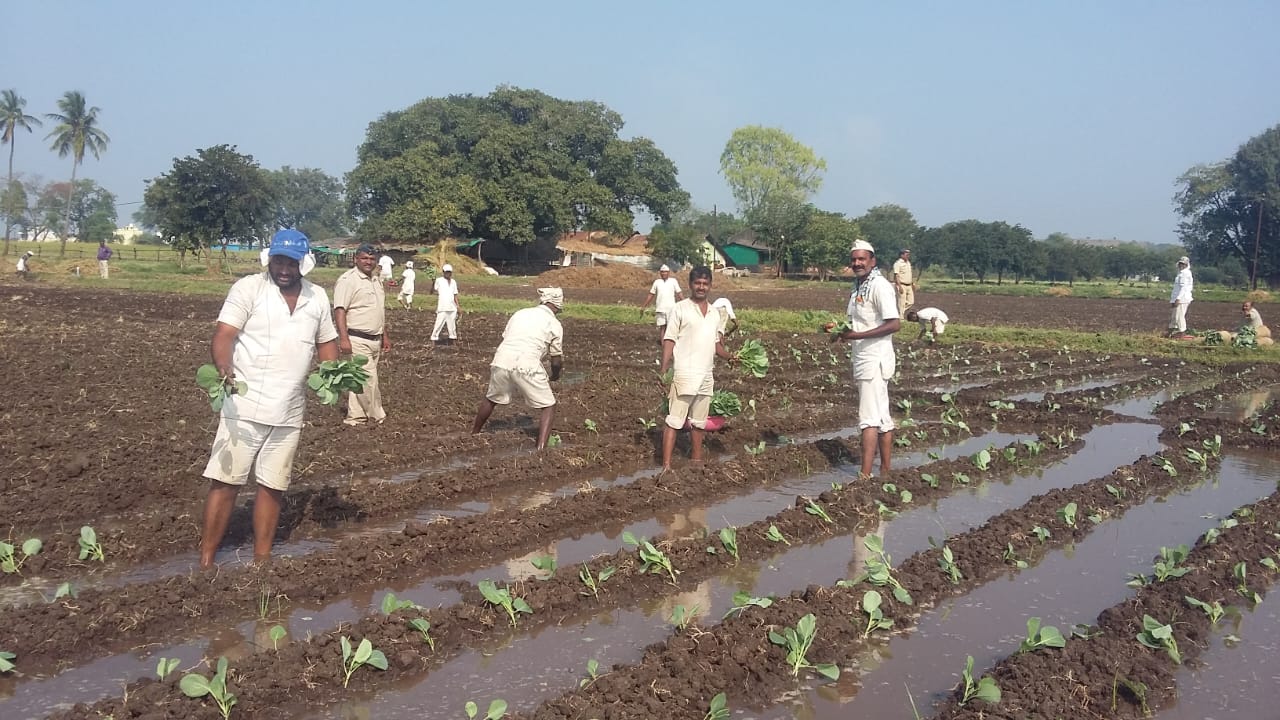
(1257, 240)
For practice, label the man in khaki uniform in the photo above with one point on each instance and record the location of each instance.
(904, 281)
(359, 311)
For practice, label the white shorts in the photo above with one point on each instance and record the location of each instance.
(408, 297)
(873, 404)
(533, 385)
(241, 446)
(659, 318)
(693, 408)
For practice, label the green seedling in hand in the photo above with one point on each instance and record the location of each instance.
(878, 570)
(652, 559)
(1214, 611)
(364, 654)
(90, 548)
(497, 710)
(985, 689)
(9, 560)
(593, 672)
(424, 629)
(593, 582)
(1158, 636)
(217, 387)
(753, 358)
(1011, 557)
(545, 564)
(1041, 637)
(719, 708)
(502, 598)
(797, 642)
(334, 377)
(742, 601)
(391, 603)
(814, 508)
(166, 666)
(729, 539)
(775, 535)
(1067, 514)
(871, 602)
(197, 686)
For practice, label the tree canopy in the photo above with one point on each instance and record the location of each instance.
(514, 165)
(309, 200)
(13, 117)
(214, 197)
(76, 133)
(766, 165)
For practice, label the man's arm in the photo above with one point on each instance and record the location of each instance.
(221, 350)
(326, 351)
(340, 319)
(557, 364)
(668, 351)
(888, 327)
(648, 299)
(386, 338)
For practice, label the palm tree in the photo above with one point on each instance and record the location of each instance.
(12, 117)
(76, 132)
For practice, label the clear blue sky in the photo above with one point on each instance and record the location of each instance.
(1064, 116)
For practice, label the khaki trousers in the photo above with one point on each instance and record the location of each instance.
(368, 404)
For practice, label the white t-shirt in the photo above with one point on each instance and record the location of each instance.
(873, 357)
(694, 355)
(1181, 287)
(530, 334)
(274, 349)
(385, 262)
(406, 281)
(22, 264)
(728, 307)
(447, 290)
(928, 315)
(664, 294)
(1254, 320)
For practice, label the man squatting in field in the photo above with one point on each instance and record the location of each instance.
(873, 317)
(664, 293)
(359, 309)
(692, 342)
(271, 326)
(530, 334)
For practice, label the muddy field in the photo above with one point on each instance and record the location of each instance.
(1027, 483)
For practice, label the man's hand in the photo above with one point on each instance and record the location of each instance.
(344, 345)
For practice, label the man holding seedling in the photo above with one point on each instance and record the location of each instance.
(664, 293)
(692, 342)
(271, 326)
(530, 334)
(359, 309)
(873, 319)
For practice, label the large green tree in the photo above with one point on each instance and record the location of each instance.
(765, 165)
(515, 165)
(309, 200)
(889, 228)
(827, 239)
(13, 117)
(76, 132)
(780, 222)
(212, 198)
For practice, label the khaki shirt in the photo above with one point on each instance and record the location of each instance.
(364, 300)
(902, 272)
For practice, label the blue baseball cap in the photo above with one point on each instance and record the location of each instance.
(289, 243)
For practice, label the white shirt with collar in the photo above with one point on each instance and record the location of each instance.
(694, 355)
(530, 334)
(664, 294)
(275, 348)
(873, 357)
(446, 290)
(1181, 287)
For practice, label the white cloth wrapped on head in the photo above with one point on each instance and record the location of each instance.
(551, 296)
(861, 244)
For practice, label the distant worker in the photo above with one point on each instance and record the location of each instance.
(406, 285)
(445, 288)
(933, 322)
(359, 309)
(384, 269)
(531, 334)
(1179, 299)
(693, 341)
(904, 281)
(723, 304)
(1252, 319)
(24, 264)
(664, 293)
(104, 258)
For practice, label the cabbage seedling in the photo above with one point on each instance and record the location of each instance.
(1041, 637)
(9, 560)
(985, 689)
(591, 426)
(814, 508)
(871, 602)
(929, 480)
(1241, 573)
(1158, 636)
(195, 685)
(682, 618)
(90, 548)
(947, 563)
(1198, 459)
(652, 559)
(878, 569)
(1012, 558)
(554, 440)
(753, 358)
(1041, 533)
(719, 708)
(497, 710)
(757, 449)
(1068, 514)
(165, 667)
(391, 603)
(775, 535)
(63, 590)
(209, 379)
(334, 377)
(6, 661)
(1169, 565)
(593, 582)
(424, 628)
(646, 424)
(797, 642)
(729, 538)
(1214, 611)
(364, 654)
(982, 460)
(1164, 464)
(1116, 492)
(593, 672)
(503, 599)
(742, 601)
(545, 564)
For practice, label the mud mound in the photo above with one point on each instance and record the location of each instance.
(1058, 291)
(613, 275)
(1258, 296)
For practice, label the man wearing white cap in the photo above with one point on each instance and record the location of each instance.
(271, 326)
(664, 293)
(406, 285)
(1180, 298)
(531, 334)
(445, 289)
(873, 319)
(24, 264)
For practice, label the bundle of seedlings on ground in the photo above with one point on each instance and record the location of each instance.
(208, 378)
(335, 377)
(725, 404)
(753, 358)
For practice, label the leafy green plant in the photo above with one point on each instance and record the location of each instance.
(1011, 557)
(1034, 447)
(593, 672)
(1067, 514)
(929, 480)
(947, 563)
(194, 685)
(814, 508)
(334, 377)
(6, 661)
(1115, 492)
(1240, 571)
(1214, 611)
(982, 460)
(743, 600)
(797, 642)
(593, 582)
(753, 358)
(729, 538)
(871, 607)
(364, 654)
(63, 590)
(276, 633)
(1163, 463)
(391, 603)
(725, 404)
(959, 478)
(165, 667)
(209, 379)
(591, 426)
(1041, 533)
(1213, 445)
(1197, 458)
(554, 440)
(878, 569)
(775, 535)
(1041, 637)
(504, 599)
(424, 629)
(757, 449)
(9, 560)
(646, 424)
(719, 708)
(984, 689)
(497, 710)
(682, 617)
(545, 564)
(652, 559)
(1158, 636)
(90, 548)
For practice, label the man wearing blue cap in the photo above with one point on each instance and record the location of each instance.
(271, 328)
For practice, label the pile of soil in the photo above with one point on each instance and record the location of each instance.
(603, 275)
